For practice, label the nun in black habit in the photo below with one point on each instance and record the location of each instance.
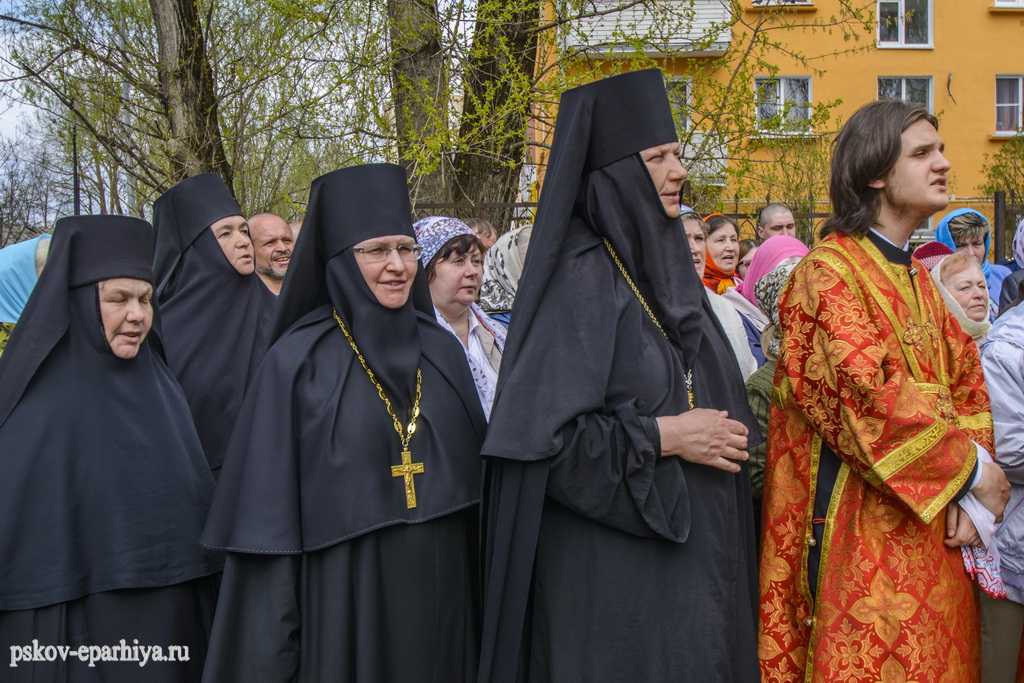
(105, 488)
(606, 557)
(352, 537)
(215, 312)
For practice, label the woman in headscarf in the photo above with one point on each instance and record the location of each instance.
(104, 487)
(961, 282)
(348, 504)
(769, 255)
(723, 253)
(214, 309)
(503, 265)
(452, 259)
(619, 540)
(1013, 285)
(968, 230)
(732, 325)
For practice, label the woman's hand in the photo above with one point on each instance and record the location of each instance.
(704, 437)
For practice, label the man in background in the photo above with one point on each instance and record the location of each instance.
(273, 239)
(775, 219)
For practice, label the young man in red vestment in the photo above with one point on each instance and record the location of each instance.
(880, 435)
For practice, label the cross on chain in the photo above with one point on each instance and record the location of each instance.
(406, 470)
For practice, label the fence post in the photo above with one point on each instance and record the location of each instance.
(999, 202)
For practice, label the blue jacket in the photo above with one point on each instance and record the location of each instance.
(1002, 355)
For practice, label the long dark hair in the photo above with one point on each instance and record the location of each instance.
(865, 150)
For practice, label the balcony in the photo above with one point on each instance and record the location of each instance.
(656, 28)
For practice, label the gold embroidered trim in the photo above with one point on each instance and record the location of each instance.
(977, 421)
(826, 548)
(899, 328)
(910, 451)
(942, 500)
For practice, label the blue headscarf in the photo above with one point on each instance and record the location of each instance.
(994, 274)
(17, 277)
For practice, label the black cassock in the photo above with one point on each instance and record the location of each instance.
(329, 576)
(104, 488)
(604, 561)
(214, 322)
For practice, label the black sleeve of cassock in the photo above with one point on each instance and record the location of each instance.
(610, 470)
(256, 628)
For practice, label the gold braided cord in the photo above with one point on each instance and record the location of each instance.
(691, 397)
(632, 285)
(405, 436)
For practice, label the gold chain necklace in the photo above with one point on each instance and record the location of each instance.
(691, 396)
(408, 468)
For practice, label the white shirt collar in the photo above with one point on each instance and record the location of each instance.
(905, 247)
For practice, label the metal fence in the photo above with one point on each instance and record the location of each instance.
(1008, 208)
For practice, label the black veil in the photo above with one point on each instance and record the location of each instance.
(308, 462)
(105, 485)
(214, 321)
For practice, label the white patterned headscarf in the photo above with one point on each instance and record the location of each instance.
(1018, 244)
(503, 267)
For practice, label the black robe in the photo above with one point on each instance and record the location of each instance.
(328, 576)
(105, 487)
(604, 561)
(214, 322)
(622, 587)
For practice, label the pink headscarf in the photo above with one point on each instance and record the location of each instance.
(774, 251)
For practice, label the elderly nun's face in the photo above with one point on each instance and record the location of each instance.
(667, 173)
(388, 265)
(232, 235)
(126, 310)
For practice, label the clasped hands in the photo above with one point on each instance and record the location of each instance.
(993, 491)
(705, 437)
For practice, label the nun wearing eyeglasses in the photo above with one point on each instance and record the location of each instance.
(348, 502)
(453, 258)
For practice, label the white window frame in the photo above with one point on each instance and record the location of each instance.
(1020, 105)
(1008, 3)
(784, 3)
(672, 80)
(782, 104)
(900, 43)
(903, 87)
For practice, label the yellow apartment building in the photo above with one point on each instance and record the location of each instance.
(963, 59)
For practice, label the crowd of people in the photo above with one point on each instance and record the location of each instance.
(621, 444)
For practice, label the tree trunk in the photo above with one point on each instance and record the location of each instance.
(497, 87)
(187, 91)
(419, 89)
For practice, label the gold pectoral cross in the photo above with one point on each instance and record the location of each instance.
(407, 469)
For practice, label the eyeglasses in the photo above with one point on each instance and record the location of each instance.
(379, 253)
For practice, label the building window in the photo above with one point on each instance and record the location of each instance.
(1008, 104)
(904, 23)
(1009, 3)
(783, 103)
(679, 100)
(914, 89)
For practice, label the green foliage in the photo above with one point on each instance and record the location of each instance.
(1004, 170)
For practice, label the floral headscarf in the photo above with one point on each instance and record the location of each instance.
(768, 290)
(503, 267)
